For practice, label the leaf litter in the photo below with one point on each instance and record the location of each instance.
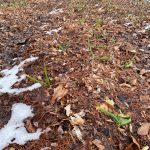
(90, 81)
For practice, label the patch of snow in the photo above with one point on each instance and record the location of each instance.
(53, 31)
(14, 131)
(56, 11)
(147, 27)
(10, 78)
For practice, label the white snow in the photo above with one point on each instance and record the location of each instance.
(10, 78)
(56, 11)
(53, 31)
(14, 131)
(147, 27)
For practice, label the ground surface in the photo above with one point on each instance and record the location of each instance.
(101, 51)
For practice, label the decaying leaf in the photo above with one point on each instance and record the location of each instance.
(144, 129)
(145, 148)
(98, 144)
(109, 101)
(30, 128)
(77, 132)
(135, 142)
(77, 120)
(134, 145)
(68, 110)
(11, 148)
(59, 92)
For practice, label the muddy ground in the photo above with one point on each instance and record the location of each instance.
(102, 50)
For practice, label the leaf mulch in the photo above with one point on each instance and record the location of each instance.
(101, 50)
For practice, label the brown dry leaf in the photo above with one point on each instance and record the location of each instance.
(132, 146)
(11, 148)
(77, 132)
(59, 92)
(29, 126)
(77, 120)
(109, 101)
(98, 144)
(107, 106)
(135, 142)
(144, 129)
(143, 72)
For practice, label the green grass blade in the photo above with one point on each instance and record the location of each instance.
(47, 80)
(35, 80)
(120, 119)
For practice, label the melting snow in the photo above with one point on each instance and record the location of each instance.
(10, 78)
(53, 31)
(14, 131)
(147, 27)
(56, 11)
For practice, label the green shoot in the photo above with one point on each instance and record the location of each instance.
(35, 80)
(104, 58)
(47, 80)
(119, 119)
(127, 64)
(98, 23)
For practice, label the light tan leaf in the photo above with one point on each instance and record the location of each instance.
(109, 101)
(98, 144)
(144, 129)
(68, 110)
(11, 148)
(77, 120)
(145, 148)
(135, 142)
(77, 132)
(59, 92)
(30, 128)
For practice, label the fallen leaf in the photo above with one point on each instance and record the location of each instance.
(11, 148)
(68, 110)
(144, 129)
(59, 92)
(98, 144)
(109, 101)
(77, 120)
(76, 132)
(81, 113)
(145, 148)
(135, 142)
(132, 146)
(29, 126)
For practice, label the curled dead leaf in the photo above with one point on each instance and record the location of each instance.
(144, 129)
(68, 110)
(11, 148)
(77, 120)
(77, 132)
(59, 92)
(134, 145)
(30, 128)
(98, 144)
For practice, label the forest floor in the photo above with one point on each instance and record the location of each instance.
(97, 54)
